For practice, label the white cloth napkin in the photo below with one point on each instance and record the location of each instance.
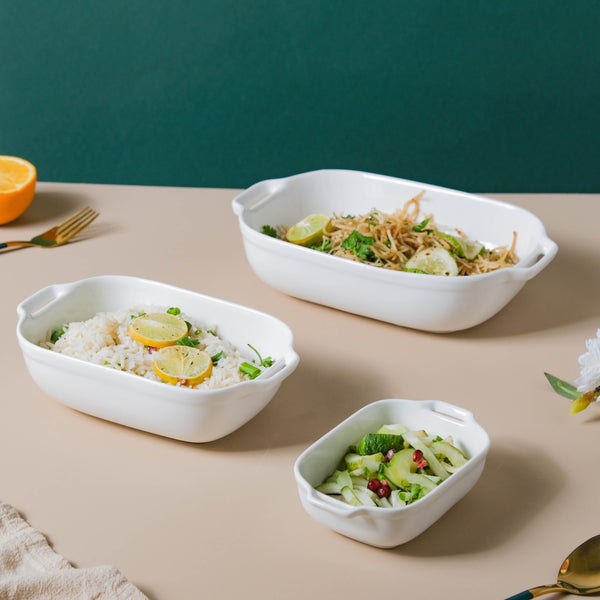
(31, 570)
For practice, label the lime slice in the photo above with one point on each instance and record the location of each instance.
(309, 231)
(158, 329)
(433, 261)
(182, 364)
(373, 443)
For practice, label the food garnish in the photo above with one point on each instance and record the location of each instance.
(308, 231)
(158, 329)
(183, 364)
(396, 241)
(393, 467)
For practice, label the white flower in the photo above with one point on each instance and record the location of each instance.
(589, 378)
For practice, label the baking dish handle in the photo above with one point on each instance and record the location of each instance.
(40, 299)
(255, 196)
(334, 506)
(548, 251)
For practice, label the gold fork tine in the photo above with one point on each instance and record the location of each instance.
(78, 216)
(71, 227)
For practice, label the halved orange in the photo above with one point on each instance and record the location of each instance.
(182, 364)
(17, 187)
(158, 329)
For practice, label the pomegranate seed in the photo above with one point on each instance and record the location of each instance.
(383, 491)
(422, 464)
(389, 455)
(417, 456)
(374, 485)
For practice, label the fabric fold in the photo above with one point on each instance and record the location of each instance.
(31, 570)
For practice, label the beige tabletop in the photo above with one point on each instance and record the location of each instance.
(223, 519)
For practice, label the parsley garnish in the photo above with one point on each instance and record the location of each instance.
(187, 341)
(359, 244)
(421, 226)
(217, 357)
(250, 370)
(270, 231)
(263, 362)
(173, 310)
(56, 334)
(324, 246)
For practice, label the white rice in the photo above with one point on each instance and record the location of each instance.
(105, 340)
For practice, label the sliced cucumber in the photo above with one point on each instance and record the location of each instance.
(370, 462)
(379, 442)
(434, 261)
(452, 453)
(394, 429)
(401, 465)
(350, 497)
(463, 247)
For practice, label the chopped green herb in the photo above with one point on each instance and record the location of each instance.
(415, 271)
(56, 334)
(217, 357)
(189, 326)
(270, 231)
(324, 246)
(173, 310)
(263, 362)
(197, 331)
(359, 244)
(421, 226)
(250, 370)
(187, 341)
(140, 314)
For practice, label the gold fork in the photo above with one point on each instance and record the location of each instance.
(61, 234)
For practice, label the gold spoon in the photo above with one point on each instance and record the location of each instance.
(579, 574)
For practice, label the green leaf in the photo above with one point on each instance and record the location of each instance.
(359, 244)
(270, 231)
(562, 387)
(421, 226)
(187, 341)
(263, 362)
(173, 310)
(250, 370)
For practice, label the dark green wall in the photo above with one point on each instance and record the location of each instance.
(482, 96)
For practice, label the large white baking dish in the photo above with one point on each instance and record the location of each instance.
(427, 302)
(389, 527)
(192, 415)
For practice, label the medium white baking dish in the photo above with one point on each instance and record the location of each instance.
(389, 527)
(426, 302)
(192, 415)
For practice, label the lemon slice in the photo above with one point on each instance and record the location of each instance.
(158, 329)
(433, 261)
(183, 364)
(309, 231)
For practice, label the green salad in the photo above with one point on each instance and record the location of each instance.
(393, 467)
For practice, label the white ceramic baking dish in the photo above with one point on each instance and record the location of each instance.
(430, 303)
(192, 415)
(389, 527)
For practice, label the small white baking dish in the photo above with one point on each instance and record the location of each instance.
(430, 303)
(389, 527)
(192, 415)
